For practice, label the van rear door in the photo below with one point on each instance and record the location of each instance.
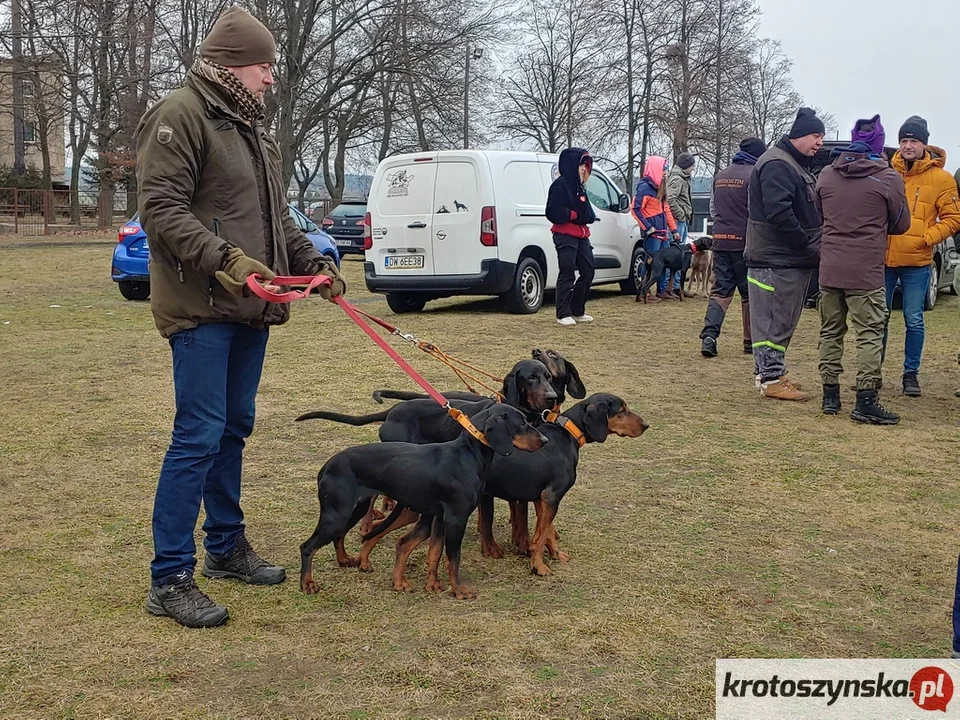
(459, 210)
(401, 216)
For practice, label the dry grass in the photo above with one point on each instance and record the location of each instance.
(734, 527)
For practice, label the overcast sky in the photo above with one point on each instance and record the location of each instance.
(856, 58)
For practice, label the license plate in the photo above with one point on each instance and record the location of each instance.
(342, 242)
(403, 261)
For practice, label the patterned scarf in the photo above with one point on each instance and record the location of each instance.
(250, 107)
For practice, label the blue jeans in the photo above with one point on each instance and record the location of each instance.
(216, 373)
(682, 231)
(913, 284)
(650, 246)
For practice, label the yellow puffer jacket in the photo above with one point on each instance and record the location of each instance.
(934, 209)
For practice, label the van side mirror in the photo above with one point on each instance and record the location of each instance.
(624, 202)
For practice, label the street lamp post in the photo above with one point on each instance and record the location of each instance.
(477, 53)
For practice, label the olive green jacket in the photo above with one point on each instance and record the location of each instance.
(199, 169)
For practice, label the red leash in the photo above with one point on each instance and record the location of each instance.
(314, 281)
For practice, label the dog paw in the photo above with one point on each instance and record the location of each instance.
(349, 562)
(540, 569)
(464, 593)
(403, 586)
(365, 565)
(560, 556)
(491, 550)
(434, 585)
(309, 587)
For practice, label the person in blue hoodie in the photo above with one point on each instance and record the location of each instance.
(571, 214)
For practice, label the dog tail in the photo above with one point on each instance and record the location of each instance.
(385, 523)
(348, 419)
(380, 395)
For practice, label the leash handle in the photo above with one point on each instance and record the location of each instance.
(255, 283)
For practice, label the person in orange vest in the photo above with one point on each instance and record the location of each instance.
(654, 216)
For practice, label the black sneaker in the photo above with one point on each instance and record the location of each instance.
(748, 347)
(709, 347)
(869, 410)
(178, 597)
(831, 399)
(911, 387)
(243, 564)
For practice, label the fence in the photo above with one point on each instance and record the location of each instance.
(45, 212)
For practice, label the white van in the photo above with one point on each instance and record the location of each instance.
(472, 222)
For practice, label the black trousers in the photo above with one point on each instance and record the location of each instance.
(729, 276)
(573, 254)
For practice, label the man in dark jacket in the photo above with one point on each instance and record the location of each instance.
(569, 209)
(782, 249)
(212, 201)
(728, 208)
(862, 200)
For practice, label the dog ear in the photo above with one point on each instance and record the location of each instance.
(574, 384)
(497, 432)
(595, 421)
(511, 391)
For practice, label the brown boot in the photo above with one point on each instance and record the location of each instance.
(781, 389)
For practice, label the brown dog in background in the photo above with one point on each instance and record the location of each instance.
(701, 274)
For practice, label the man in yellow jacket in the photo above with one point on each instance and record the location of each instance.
(935, 212)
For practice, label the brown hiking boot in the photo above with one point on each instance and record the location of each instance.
(792, 383)
(781, 389)
(666, 296)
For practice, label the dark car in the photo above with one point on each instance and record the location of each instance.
(345, 225)
(131, 254)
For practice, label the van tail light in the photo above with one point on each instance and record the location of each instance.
(127, 230)
(367, 232)
(326, 222)
(488, 226)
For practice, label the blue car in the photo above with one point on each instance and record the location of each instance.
(130, 256)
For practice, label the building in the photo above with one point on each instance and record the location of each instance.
(48, 99)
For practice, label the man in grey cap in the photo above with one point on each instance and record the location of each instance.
(213, 203)
(680, 200)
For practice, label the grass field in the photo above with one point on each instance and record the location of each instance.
(735, 527)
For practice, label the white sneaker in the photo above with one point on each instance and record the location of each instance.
(567, 321)
(584, 318)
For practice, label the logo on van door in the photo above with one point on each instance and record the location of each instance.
(398, 183)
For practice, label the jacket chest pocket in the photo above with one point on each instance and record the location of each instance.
(230, 159)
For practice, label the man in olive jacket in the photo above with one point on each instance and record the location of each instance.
(212, 203)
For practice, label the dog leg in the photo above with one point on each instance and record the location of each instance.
(343, 559)
(453, 539)
(367, 523)
(488, 545)
(405, 546)
(545, 515)
(322, 535)
(521, 528)
(551, 540)
(434, 551)
(406, 517)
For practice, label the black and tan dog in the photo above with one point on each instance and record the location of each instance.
(543, 477)
(439, 480)
(675, 257)
(564, 375)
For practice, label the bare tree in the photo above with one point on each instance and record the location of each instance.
(767, 92)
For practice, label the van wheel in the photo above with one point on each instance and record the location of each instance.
(402, 303)
(526, 295)
(638, 260)
(132, 290)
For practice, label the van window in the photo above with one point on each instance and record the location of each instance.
(599, 192)
(524, 185)
(407, 190)
(456, 188)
